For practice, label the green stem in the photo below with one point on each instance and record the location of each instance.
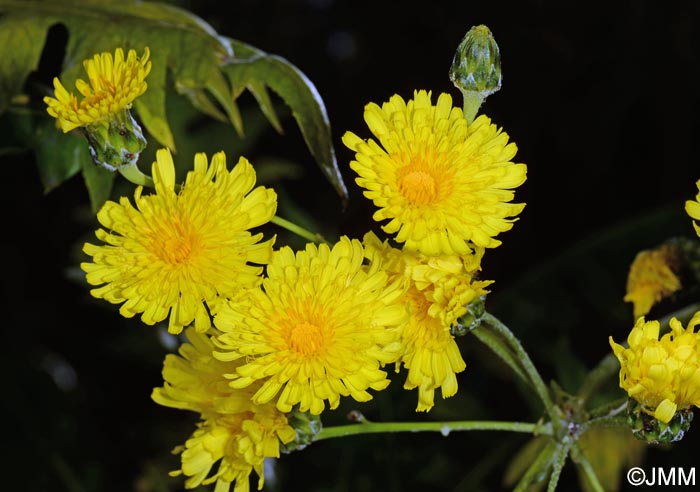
(527, 364)
(559, 461)
(472, 103)
(444, 428)
(299, 231)
(134, 174)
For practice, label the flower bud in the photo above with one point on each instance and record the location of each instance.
(477, 63)
(115, 142)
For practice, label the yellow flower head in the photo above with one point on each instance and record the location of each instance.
(692, 207)
(319, 328)
(663, 375)
(114, 84)
(233, 432)
(652, 277)
(440, 182)
(438, 290)
(177, 252)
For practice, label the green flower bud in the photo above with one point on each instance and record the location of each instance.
(115, 142)
(476, 68)
(305, 425)
(646, 428)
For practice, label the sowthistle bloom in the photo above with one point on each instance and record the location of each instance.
(234, 436)
(663, 375)
(114, 83)
(178, 252)
(653, 276)
(320, 327)
(115, 138)
(438, 290)
(442, 184)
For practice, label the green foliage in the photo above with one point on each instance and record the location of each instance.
(210, 70)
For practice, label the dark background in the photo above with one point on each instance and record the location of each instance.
(602, 101)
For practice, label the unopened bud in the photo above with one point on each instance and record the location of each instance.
(476, 68)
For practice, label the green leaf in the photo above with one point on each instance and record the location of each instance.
(250, 67)
(202, 63)
(98, 181)
(58, 156)
(22, 39)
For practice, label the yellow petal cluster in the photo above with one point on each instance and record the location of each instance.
(440, 182)
(663, 375)
(652, 277)
(692, 207)
(438, 290)
(182, 249)
(234, 436)
(320, 327)
(114, 83)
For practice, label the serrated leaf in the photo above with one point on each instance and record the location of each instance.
(251, 65)
(189, 48)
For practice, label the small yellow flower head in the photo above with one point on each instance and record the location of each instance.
(233, 433)
(663, 375)
(652, 277)
(320, 328)
(438, 290)
(692, 207)
(176, 253)
(114, 84)
(440, 182)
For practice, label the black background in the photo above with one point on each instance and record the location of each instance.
(602, 101)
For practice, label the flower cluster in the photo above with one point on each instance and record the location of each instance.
(445, 186)
(271, 332)
(663, 375)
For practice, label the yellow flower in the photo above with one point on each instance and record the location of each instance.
(652, 277)
(692, 207)
(319, 328)
(440, 182)
(114, 84)
(438, 290)
(233, 432)
(177, 252)
(663, 375)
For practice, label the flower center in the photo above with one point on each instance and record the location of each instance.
(306, 339)
(174, 243)
(417, 185)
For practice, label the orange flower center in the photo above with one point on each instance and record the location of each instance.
(174, 244)
(306, 339)
(417, 185)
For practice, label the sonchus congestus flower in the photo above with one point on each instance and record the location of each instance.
(438, 290)
(653, 276)
(663, 375)
(234, 435)
(178, 252)
(115, 138)
(440, 182)
(320, 327)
